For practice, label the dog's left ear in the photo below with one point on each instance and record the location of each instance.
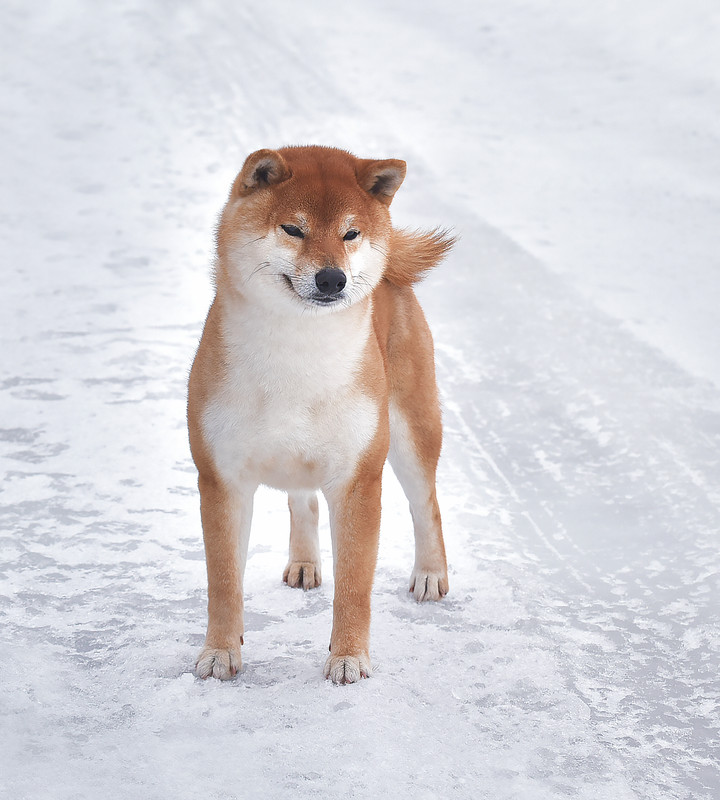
(261, 169)
(381, 178)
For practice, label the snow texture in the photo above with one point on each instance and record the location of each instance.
(575, 148)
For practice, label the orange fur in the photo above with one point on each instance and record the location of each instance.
(412, 254)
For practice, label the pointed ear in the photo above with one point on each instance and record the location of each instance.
(381, 178)
(261, 169)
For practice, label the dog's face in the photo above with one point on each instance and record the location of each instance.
(307, 227)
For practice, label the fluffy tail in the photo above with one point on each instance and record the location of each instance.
(412, 254)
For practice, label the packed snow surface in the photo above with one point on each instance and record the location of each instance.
(575, 148)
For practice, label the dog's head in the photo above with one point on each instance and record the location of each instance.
(308, 227)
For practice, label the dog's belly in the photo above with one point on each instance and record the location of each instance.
(286, 443)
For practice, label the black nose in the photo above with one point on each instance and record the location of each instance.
(330, 280)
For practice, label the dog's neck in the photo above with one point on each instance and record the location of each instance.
(324, 348)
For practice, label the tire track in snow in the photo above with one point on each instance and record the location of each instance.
(473, 440)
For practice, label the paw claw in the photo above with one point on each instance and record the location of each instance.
(427, 585)
(302, 575)
(347, 669)
(218, 663)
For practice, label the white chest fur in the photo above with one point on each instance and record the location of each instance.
(290, 410)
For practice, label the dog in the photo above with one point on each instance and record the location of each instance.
(315, 365)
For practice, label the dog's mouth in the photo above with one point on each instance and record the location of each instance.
(315, 299)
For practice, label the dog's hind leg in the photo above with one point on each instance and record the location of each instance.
(303, 567)
(415, 442)
(429, 579)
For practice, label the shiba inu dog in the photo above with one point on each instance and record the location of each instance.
(315, 365)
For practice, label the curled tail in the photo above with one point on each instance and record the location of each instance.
(412, 254)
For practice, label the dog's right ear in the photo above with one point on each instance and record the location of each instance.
(261, 169)
(381, 179)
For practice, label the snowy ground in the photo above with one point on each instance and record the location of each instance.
(576, 149)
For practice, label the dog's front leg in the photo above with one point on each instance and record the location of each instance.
(355, 527)
(226, 515)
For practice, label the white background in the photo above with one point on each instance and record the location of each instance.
(574, 147)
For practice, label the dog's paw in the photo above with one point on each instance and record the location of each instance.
(347, 669)
(218, 663)
(426, 585)
(302, 575)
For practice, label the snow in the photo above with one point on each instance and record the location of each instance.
(574, 147)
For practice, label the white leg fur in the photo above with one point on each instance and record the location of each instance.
(303, 567)
(429, 579)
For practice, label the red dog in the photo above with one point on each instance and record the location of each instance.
(315, 365)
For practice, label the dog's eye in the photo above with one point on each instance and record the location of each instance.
(293, 230)
(350, 235)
